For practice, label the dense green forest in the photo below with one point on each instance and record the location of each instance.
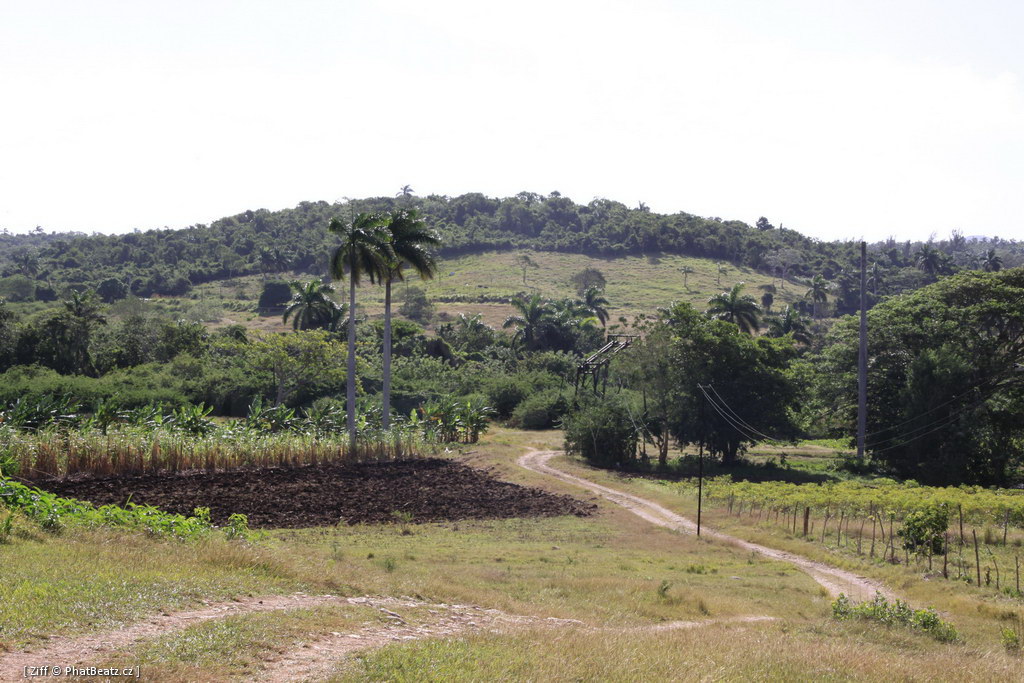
(43, 266)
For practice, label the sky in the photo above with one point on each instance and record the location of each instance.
(840, 119)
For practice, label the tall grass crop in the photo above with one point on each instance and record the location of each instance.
(134, 450)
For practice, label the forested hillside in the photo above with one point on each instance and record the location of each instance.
(44, 266)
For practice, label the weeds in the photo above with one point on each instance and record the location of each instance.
(404, 519)
(53, 514)
(897, 613)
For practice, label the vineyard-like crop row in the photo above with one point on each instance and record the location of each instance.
(881, 498)
(902, 523)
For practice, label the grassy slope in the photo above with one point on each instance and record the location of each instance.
(635, 285)
(605, 570)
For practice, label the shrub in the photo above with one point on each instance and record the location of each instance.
(897, 613)
(504, 396)
(540, 411)
(602, 431)
(925, 528)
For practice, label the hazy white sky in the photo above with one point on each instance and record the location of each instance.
(837, 118)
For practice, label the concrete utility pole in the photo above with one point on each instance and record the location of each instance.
(862, 375)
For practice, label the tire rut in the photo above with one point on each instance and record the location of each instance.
(832, 579)
(316, 657)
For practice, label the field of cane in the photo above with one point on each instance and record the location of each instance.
(614, 573)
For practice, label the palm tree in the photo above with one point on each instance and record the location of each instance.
(534, 315)
(735, 307)
(789, 322)
(818, 292)
(929, 259)
(410, 239)
(875, 278)
(991, 262)
(364, 250)
(81, 314)
(595, 303)
(311, 305)
(686, 270)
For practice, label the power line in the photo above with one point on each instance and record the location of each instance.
(946, 419)
(735, 414)
(736, 423)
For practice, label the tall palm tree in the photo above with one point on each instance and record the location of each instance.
(991, 262)
(875, 277)
(534, 315)
(311, 306)
(818, 292)
(81, 314)
(735, 307)
(929, 259)
(789, 322)
(595, 303)
(410, 242)
(364, 250)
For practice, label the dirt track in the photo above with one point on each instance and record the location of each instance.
(317, 657)
(833, 579)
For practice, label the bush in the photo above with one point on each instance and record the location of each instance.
(540, 411)
(925, 528)
(602, 431)
(504, 396)
(897, 613)
(275, 294)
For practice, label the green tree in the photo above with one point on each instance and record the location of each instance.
(524, 261)
(311, 306)
(76, 323)
(735, 307)
(595, 303)
(991, 262)
(818, 292)
(364, 251)
(720, 388)
(587, 278)
(929, 259)
(789, 321)
(534, 316)
(945, 391)
(294, 361)
(410, 243)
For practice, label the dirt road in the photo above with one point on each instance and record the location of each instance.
(833, 579)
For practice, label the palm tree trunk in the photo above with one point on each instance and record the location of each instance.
(350, 380)
(385, 418)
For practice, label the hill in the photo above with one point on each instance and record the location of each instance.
(43, 266)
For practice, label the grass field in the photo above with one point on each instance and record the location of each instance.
(635, 285)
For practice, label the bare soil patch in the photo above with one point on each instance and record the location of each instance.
(430, 489)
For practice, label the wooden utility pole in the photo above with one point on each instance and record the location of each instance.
(862, 375)
(700, 466)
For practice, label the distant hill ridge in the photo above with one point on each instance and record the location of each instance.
(170, 262)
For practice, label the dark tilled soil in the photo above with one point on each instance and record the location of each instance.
(431, 489)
